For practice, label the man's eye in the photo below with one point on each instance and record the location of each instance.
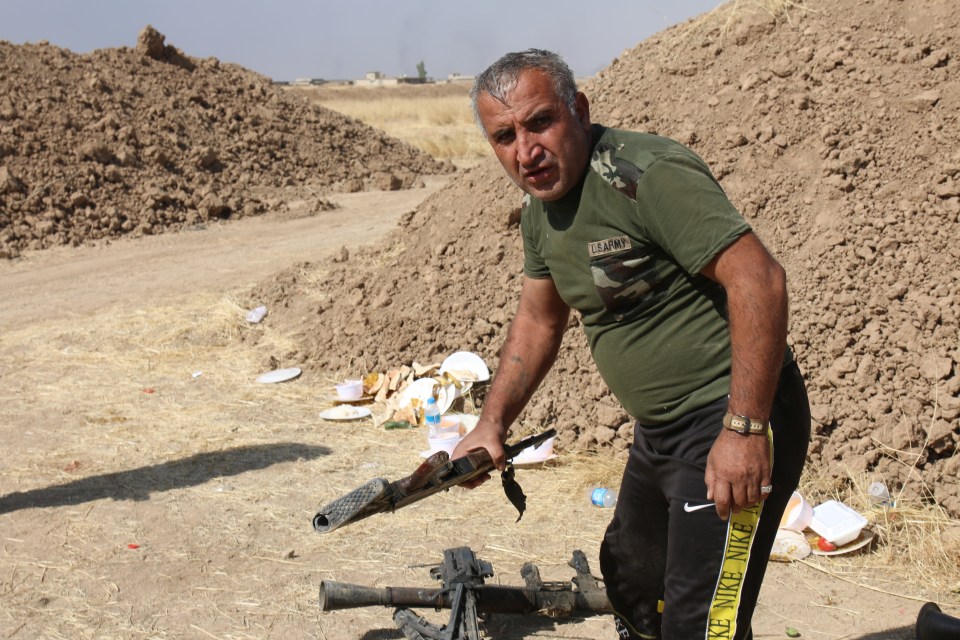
(541, 122)
(504, 138)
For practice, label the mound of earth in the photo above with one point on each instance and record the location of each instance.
(146, 140)
(834, 129)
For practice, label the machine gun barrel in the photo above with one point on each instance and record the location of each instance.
(341, 595)
(489, 598)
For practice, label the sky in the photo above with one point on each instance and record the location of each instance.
(334, 39)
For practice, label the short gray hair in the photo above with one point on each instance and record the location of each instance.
(501, 77)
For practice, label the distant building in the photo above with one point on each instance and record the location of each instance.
(377, 79)
(456, 77)
(306, 82)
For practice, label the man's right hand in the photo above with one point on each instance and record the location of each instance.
(486, 435)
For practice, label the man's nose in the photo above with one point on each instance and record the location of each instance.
(529, 150)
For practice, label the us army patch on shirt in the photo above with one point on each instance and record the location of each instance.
(608, 246)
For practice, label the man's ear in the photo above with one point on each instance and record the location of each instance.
(582, 106)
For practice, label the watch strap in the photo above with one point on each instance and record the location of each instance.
(746, 426)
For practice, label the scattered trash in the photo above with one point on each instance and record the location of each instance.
(279, 375)
(822, 547)
(879, 494)
(390, 425)
(789, 545)
(73, 466)
(535, 456)
(350, 390)
(601, 497)
(133, 546)
(792, 633)
(798, 514)
(825, 545)
(836, 522)
(197, 374)
(466, 366)
(345, 412)
(149, 390)
(257, 314)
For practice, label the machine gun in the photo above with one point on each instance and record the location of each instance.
(438, 472)
(463, 591)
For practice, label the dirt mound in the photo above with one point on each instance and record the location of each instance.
(833, 128)
(141, 141)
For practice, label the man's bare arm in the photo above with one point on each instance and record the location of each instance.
(528, 352)
(756, 289)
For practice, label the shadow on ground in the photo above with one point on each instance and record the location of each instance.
(506, 627)
(139, 483)
(900, 633)
(497, 627)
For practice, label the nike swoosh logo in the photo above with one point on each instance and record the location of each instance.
(689, 509)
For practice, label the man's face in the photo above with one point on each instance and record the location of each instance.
(542, 146)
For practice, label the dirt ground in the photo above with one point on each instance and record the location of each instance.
(149, 488)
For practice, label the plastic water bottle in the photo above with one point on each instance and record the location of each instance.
(431, 415)
(601, 497)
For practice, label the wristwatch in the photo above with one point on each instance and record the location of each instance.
(746, 426)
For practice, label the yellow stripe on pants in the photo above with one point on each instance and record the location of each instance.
(726, 597)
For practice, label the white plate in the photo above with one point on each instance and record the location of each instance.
(864, 538)
(279, 375)
(422, 389)
(466, 361)
(345, 412)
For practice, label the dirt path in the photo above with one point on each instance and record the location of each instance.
(72, 282)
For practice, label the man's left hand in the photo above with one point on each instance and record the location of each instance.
(737, 467)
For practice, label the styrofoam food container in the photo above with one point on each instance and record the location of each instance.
(798, 514)
(350, 390)
(836, 522)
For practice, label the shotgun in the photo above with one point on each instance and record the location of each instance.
(436, 473)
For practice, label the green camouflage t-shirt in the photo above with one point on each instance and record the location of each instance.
(625, 248)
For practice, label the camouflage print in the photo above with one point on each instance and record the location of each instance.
(626, 281)
(621, 174)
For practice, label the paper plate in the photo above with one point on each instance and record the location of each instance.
(345, 412)
(422, 389)
(466, 361)
(279, 375)
(865, 537)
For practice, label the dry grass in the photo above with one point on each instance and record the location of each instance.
(442, 126)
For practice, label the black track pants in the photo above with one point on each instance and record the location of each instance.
(682, 574)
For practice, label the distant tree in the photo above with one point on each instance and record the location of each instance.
(422, 71)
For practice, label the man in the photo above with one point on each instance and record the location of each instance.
(686, 315)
